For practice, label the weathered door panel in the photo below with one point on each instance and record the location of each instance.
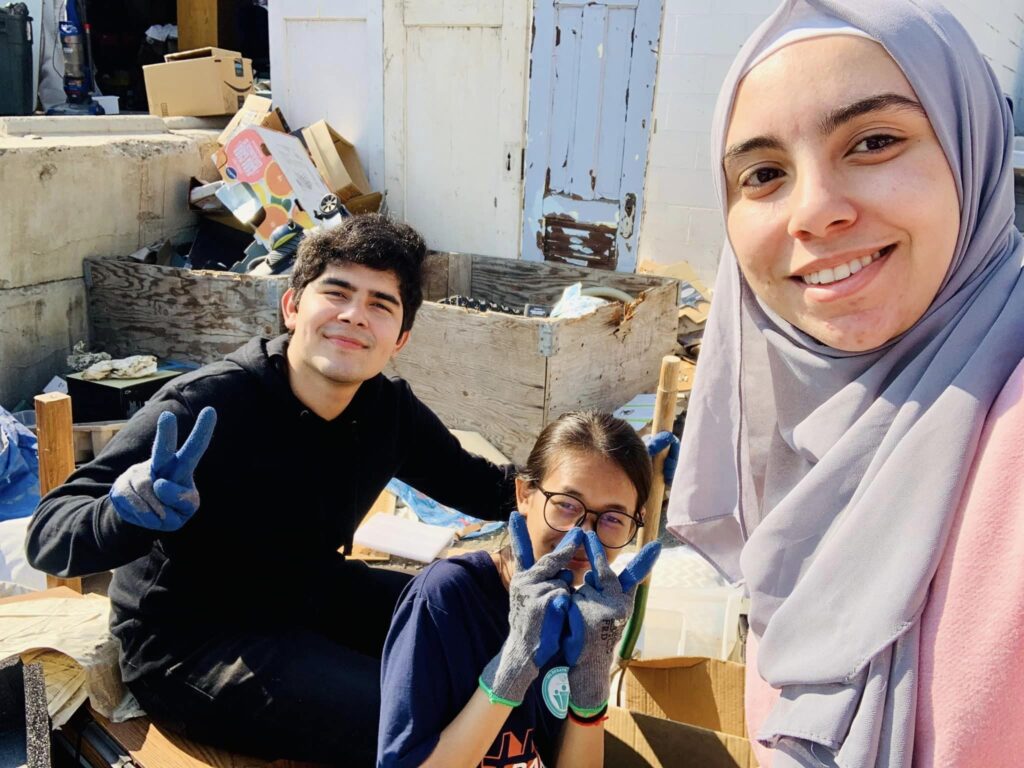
(592, 71)
(454, 91)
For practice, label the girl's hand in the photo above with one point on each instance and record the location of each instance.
(597, 614)
(539, 599)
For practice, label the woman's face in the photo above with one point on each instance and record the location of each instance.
(596, 481)
(842, 209)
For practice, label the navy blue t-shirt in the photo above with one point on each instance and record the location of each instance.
(450, 622)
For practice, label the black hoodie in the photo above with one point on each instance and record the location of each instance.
(280, 491)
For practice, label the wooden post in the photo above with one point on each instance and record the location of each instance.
(664, 416)
(56, 454)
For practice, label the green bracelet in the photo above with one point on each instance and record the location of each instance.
(588, 713)
(495, 698)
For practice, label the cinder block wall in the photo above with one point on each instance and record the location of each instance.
(699, 40)
(66, 198)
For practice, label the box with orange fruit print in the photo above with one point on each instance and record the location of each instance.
(273, 179)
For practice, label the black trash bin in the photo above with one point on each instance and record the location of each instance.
(16, 94)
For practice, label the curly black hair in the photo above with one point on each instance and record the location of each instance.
(371, 240)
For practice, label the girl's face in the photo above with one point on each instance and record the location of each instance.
(842, 209)
(596, 481)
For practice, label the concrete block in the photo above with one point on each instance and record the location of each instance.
(680, 186)
(110, 125)
(675, 149)
(38, 327)
(66, 198)
(688, 112)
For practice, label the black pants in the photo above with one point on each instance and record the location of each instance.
(308, 692)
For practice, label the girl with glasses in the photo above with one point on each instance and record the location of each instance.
(497, 659)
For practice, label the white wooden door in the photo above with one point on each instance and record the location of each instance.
(327, 62)
(454, 93)
(593, 67)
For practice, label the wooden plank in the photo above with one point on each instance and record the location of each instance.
(179, 314)
(151, 746)
(521, 282)
(207, 22)
(460, 275)
(56, 455)
(603, 359)
(478, 371)
(435, 276)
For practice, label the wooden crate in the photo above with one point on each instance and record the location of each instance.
(506, 376)
(178, 314)
(501, 375)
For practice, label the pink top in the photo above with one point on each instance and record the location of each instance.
(970, 709)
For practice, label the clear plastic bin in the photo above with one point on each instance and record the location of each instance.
(691, 610)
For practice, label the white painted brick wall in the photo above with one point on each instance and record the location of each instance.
(699, 40)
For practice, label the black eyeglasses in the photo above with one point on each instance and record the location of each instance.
(563, 512)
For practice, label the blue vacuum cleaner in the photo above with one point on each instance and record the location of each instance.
(78, 82)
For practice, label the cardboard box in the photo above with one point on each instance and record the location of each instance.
(201, 82)
(636, 740)
(256, 112)
(337, 161)
(273, 173)
(678, 708)
(364, 203)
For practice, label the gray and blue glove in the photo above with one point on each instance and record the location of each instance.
(539, 597)
(658, 443)
(596, 618)
(160, 494)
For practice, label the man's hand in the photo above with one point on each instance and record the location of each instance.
(539, 597)
(160, 494)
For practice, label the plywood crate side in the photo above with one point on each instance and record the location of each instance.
(478, 371)
(435, 276)
(179, 314)
(521, 282)
(603, 359)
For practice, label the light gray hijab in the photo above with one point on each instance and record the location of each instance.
(828, 481)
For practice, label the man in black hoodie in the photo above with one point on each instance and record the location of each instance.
(240, 624)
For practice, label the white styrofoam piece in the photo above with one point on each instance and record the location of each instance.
(405, 538)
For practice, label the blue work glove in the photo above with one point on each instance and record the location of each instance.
(658, 443)
(160, 493)
(597, 615)
(539, 597)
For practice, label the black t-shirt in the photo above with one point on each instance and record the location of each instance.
(450, 622)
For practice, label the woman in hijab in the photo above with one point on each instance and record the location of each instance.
(853, 450)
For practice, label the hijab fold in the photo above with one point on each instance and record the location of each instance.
(826, 480)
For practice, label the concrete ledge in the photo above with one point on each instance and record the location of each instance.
(107, 125)
(40, 325)
(180, 123)
(68, 198)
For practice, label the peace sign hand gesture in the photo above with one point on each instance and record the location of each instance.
(596, 618)
(539, 598)
(160, 494)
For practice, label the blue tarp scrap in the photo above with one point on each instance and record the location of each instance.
(19, 468)
(434, 513)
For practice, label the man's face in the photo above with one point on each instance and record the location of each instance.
(347, 324)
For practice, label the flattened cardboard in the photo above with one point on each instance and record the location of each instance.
(707, 693)
(199, 83)
(258, 112)
(336, 159)
(636, 740)
(275, 172)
